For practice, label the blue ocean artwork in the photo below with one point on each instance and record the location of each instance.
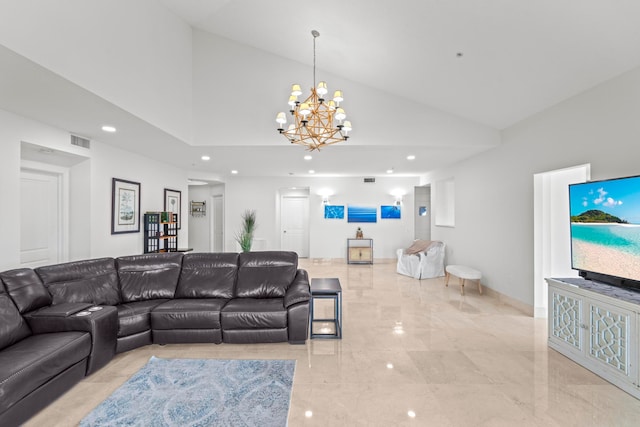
(362, 214)
(390, 212)
(333, 211)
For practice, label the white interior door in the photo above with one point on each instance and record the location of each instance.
(217, 228)
(40, 218)
(294, 220)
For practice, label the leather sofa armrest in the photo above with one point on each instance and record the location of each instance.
(299, 290)
(65, 309)
(101, 324)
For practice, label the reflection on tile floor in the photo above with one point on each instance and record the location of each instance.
(413, 353)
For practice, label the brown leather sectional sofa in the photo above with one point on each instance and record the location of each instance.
(62, 322)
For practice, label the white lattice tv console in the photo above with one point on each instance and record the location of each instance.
(597, 326)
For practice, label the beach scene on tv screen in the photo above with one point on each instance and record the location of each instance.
(605, 227)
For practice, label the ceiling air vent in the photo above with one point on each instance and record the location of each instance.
(369, 180)
(80, 141)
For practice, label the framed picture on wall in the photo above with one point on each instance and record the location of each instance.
(390, 212)
(361, 213)
(334, 211)
(173, 203)
(125, 206)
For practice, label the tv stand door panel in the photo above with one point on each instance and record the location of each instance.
(597, 332)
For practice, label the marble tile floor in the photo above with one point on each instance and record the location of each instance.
(414, 353)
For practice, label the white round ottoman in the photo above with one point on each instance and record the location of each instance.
(463, 273)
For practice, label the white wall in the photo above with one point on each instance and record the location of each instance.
(109, 162)
(200, 227)
(135, 54)
(327, 236)
(89, 192)
(494, 191)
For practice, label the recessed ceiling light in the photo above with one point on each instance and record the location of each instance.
(234, 172)
(205, 158)
(108, 128)
(389, 365)
(389, 170)
(308, 157)
(411, 157)
(312, 171)
(411, 414)
(308, 414)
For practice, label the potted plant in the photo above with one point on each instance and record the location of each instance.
(245, 236)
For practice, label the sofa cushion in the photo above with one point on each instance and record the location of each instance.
(35, 360)
(265, 274)
(208, 275)
(26, 289)
(13, 327)
(252, 313)
(187, 314)
(93, 280)
(133, 317)
(149, 276)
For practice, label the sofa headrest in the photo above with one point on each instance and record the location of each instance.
(149, 276)
(93, 281)
(26, 289)
(208, 275)
(13, 327)
(265, 274)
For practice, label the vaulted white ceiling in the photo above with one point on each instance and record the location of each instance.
(517, 57)
(433, 78)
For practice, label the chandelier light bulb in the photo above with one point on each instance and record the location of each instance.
(305, 109)
(332, 105)
(295, 90)
(340, 114)
(322, 89)
(292, 100)
(281, 119)
(337, 97)
(346, 127)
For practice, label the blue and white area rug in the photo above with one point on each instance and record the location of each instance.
(200, 392)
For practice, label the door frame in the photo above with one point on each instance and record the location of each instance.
(545, 219)
(212, 224)
(62, 175)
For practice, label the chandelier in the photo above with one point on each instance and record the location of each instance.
(317, 122)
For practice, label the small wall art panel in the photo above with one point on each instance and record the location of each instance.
(390, 212)
(362, 214)
(334, 211)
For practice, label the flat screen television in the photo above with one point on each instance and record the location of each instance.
(605, 230)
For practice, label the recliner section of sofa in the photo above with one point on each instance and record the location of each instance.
(35, 368)
(47, 334)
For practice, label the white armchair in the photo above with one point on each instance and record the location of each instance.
(422, 263)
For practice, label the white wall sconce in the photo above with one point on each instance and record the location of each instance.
(325, 193)
(398, 193)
